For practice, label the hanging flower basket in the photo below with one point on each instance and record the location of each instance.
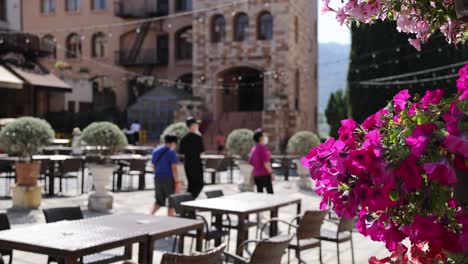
(403, 173)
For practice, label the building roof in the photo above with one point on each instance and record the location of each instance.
(9, 80)
(42, 80)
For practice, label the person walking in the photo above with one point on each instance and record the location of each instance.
(166, 176)
(191, 146)
(260, 159)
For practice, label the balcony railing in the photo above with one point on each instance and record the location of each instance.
(144, 57)
(24, 43)
(139, 9)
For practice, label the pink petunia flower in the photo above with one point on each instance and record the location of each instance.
(440, 171)
(457, 145)
(410, 173)
(400, 100)
(420, 138)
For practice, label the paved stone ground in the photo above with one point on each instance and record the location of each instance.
(141, 202)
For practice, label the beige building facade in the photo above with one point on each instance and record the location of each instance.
(246, 63)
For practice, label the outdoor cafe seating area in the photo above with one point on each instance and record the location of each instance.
(217, 225)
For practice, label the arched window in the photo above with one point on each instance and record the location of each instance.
(184, 43)
(241, 24)
(49, 42)
(73, 46)
(98, 44)
(218, 29)
(265, 26)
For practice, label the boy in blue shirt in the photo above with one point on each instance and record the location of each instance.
(166, 177)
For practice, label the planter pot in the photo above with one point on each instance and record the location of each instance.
(26, 197)
(461, 188)
(27, 173)
(247, 183)
(101, 200)
(305, 182)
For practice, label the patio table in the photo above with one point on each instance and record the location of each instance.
(71, 240)
(243, 205)
(143, 150)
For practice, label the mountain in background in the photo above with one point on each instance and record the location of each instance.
(333, 71)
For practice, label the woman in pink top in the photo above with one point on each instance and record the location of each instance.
(260, 159)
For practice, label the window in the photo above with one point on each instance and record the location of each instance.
(3, 12)
(265, 26)
(73, 46)
(241, 24)
(98, 44)
(72, 5)
(99, 4)
(184, 44)
(47, 7)
(49, 42)
(183, 5)
(218, 29)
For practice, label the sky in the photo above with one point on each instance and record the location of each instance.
(329, 29)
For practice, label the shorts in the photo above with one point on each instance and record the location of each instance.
(163, 189)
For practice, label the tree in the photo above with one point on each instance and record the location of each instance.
(337, 110)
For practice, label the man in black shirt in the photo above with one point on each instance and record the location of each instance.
(191, 146)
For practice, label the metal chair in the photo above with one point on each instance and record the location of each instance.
(268, 251)
(209, 233)
(137, 168)
(214, 256)
(45, 172)
(343, 233)
(211, 167)
(53, 215)
(5, 225)
(70, 169)
(7, 173)
(307, 235)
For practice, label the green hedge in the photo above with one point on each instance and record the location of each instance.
(64, 122)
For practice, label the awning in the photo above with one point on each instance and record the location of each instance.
(47, 80)
(9, 80)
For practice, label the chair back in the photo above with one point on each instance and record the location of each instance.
(214, 194)
(212, 163)
(310, 224)
(346, 224)
(62, 213)
(45, 166)
(4, 222)
(71, 165)
(138, 165)
(214, 256)
(271, 251)
(178, 199)
(6, 166)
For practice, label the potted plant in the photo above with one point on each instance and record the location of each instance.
(180, 130)
(239, 143)
(402, 173)
(24, 137)
(299, 145)
(107, 139)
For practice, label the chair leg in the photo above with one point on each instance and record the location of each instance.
(289, 255)
(174, 245)
(338, 252)
(320, 253)
(113, 182)
(352, 248)
(10, 261)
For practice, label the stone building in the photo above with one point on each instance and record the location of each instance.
(242, 63)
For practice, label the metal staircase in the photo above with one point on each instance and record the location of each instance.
(138, 41)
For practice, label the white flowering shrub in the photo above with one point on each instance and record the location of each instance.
(240, 142)
(107, 137)
(25, 136)
(177, 129)
(302, 142)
